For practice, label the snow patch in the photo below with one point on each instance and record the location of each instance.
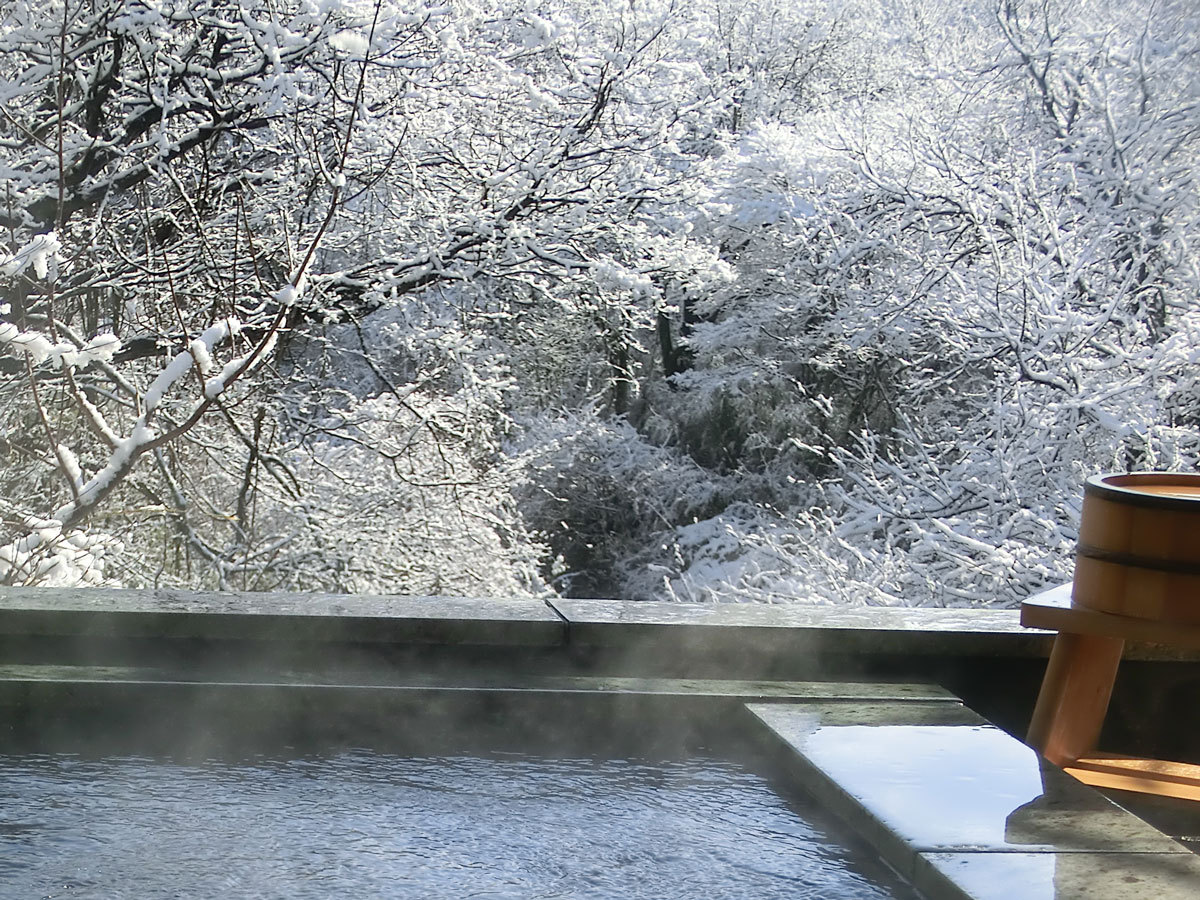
(351, 43)
(38, 254)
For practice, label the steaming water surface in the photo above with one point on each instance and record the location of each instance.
(362, 824)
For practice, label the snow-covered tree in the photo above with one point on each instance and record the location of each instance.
(822, 300)
(197, 193)
(952, 303)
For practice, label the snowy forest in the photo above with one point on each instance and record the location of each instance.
(813, 301)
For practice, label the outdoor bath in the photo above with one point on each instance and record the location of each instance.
(798, 324)
(438, 813)
(436, 747)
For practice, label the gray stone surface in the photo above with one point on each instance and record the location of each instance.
(279, 616)
(760, 615)
(724, 628)
(941, 780)
(515, 682)
(783, 690)
(963, 810)
(644, 630)
(1059, 876)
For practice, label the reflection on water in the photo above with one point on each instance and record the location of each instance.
(965, 781)
(362, 824)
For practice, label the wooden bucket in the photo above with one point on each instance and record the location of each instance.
(1139, 547)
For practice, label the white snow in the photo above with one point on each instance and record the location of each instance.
(351, 43)
(39, 253)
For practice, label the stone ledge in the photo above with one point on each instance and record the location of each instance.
(644, 628)
(12, 675)
(1058, 876)
(100, 612)
(774, 628)
(965, 812)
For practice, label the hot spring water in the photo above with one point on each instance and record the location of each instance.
(360, 824)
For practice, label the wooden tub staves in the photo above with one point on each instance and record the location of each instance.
(1139, 547)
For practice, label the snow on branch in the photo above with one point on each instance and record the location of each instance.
(47, 534)
(41, 349)
(197, 356)
(50, 556)
(38, 254)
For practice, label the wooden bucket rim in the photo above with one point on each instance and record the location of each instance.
(1120, 487)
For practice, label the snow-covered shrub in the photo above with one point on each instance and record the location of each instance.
(597, 492)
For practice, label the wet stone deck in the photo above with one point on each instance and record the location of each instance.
(966, 812)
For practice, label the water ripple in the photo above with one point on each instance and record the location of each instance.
(363, 824)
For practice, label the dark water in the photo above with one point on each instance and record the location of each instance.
(363, 824)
